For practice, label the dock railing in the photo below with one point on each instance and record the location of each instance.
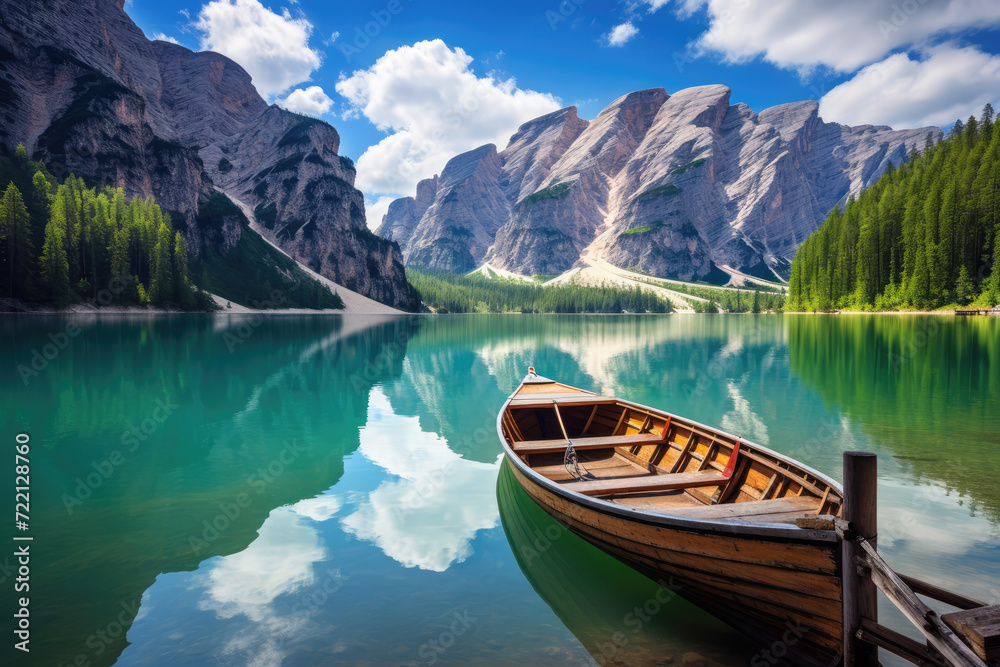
(864, 571)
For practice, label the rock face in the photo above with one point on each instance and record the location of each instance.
(676, 185)
(84, 90)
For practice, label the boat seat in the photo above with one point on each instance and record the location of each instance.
(644, 483)
(547, 400)
(751, 508)
(598, 442)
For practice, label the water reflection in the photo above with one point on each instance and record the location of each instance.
(927, 388)
(367, 450)
(279, 562)
(268, 420)
(427, 514)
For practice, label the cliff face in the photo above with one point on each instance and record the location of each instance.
(84, 90)
(673, 184)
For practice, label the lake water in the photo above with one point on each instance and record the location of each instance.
(215, 490)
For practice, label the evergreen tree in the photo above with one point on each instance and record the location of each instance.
(964, 288)
(920, 237)
(161, 288)
(182, 281)
(54, 263)
(15, 228)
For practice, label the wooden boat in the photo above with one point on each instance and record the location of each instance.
(746, 532)
(597, 608)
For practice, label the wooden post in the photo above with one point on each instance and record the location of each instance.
(860, 510)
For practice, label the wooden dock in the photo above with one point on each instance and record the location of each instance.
(969, 637)
(995, 310)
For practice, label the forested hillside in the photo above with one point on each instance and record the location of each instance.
(924, 236)
(66, 243)
(449, 292)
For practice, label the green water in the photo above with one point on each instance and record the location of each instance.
(306, 490)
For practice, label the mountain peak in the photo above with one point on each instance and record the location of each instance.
(93, 94)
(676, 184)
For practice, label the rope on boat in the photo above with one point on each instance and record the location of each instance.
(572, 463)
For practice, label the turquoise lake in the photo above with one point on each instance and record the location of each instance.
(224, 490)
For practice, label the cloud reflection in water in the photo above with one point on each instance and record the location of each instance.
(428, 517)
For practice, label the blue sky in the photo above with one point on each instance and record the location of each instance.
(410, 83)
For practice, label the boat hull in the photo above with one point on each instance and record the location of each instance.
(783, 592)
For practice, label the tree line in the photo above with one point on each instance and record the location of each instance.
(925, 235)
(65, 243)
(731, 301)
(449, 292)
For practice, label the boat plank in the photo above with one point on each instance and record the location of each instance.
(556, 396)
(777, 575)
(824, 614)
(800, 504)
(542, 401)
(752, 550)
(595, 442)
(646, 482)
(609, 467)
(659, 502)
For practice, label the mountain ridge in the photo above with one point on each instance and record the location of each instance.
(676, 185)
(86, 92)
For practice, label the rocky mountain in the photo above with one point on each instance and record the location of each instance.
(84, 90)
(676, 185)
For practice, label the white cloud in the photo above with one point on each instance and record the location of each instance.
(949, 82)
(843, 35)
(375, 210)
(434, 106)
(311, 101)
(273, 48)
(333, 38)
(620, 34)
(165, 38)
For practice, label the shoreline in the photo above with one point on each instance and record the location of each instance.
(875, 312)
(81, 309)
